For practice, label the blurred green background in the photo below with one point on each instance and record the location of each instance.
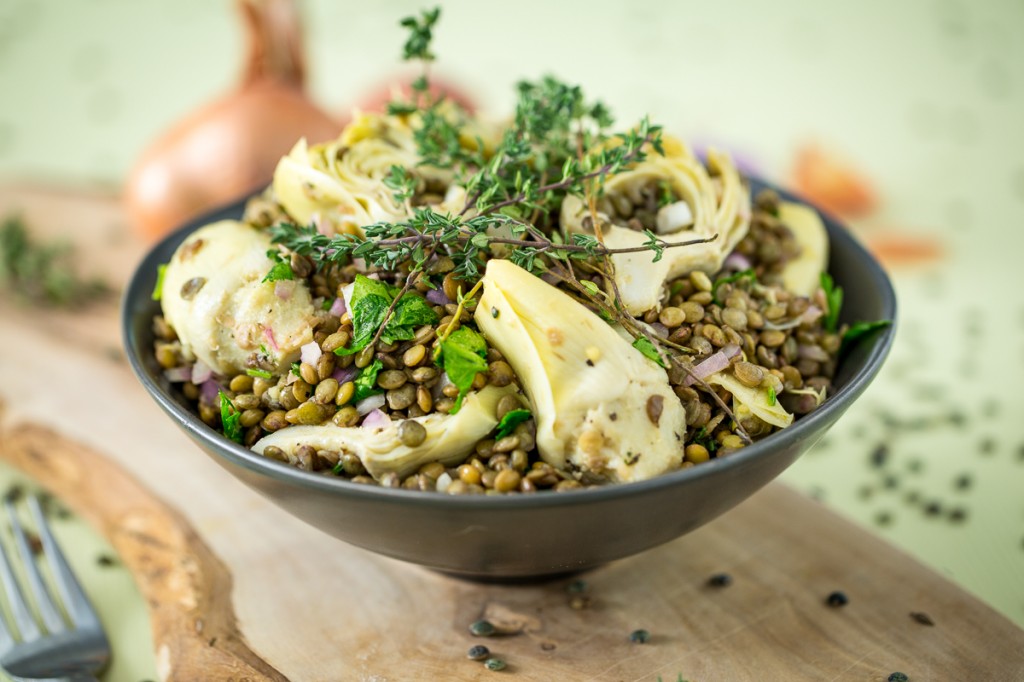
(923, 99)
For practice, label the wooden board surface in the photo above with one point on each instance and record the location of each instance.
(307, 607)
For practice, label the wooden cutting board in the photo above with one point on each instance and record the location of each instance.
(239, 590)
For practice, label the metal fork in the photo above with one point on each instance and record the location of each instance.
(69, 650)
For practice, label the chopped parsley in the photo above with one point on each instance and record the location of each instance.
(772, 399)
(295, 370)
(282, 269)
(370, 302)
(261, 373)
(230, 418)
(702, 437)
(463, 356)
(366, 382)
(833, 300)
(510, 421)
(646, 346)
(861, 330)
(158, 289)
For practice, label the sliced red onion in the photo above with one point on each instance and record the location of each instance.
(345, 374)
(208, 391)
(730, 350)
(178, 375)
(311, 353)
(437, 297)
(811, 315)
(321, 225)
(368, 405)
(715, 362)
(659, 329)
(375, 419)
(339, 307)
(269, 333)
(283, 289)
(783, 326)
(201, 372)
(737, 261)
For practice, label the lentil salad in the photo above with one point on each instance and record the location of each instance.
(368, 316)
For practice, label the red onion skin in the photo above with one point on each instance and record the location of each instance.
(715, 362)
(344, 375)
(375, 419)
(437, 297)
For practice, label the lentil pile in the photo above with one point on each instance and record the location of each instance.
(769, 338)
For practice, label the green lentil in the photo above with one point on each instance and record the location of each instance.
(478, 652)
(308, 374)
(241, 383)
(482, 628)
(326, 391)
(411, 433)
(346, 416)
(639, 636)
(494, 663)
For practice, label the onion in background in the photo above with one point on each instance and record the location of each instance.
(231, 146)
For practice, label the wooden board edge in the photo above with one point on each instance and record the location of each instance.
(187, 588)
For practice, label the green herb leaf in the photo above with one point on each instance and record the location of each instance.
(702, 437)
(510, 421)
(370, 302)
(744, 274)
(772, 399)
(417, 45)
(647, 347)
(860, 330)
(366, 382)
(834, 299)
(230, 418)
(295, 370)
(410, 312)
(158, 290)
(463, 356)
(261, 373)
(282, 269)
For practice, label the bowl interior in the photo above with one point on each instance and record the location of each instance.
(582, 528)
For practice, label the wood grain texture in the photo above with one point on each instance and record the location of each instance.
(313, 608)
(186, 587)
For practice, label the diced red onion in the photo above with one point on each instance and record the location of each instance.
(178, 375)
(208, 391)
(346, 295)
(311, 353)
(200, 372)
(269, 333)
(345, 374)
(715, 362)
(437, 297)
(367, 405)
(283, 289)
(730, 350)
(375, 419)
(737, 261)
(339, 307)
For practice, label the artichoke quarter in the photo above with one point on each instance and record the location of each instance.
(450, 438)
(214, 296)
(600, 405)
(802, 274)
(706, 206)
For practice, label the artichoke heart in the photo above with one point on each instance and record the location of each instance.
(450, 438)
(715, 204)
(802, 274)
(600, 405)
(215, 298)
(752, 401)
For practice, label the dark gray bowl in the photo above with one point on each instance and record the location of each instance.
(534, 535)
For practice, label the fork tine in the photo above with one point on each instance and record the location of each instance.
(23, 619)
(48, 611)
(78, 606)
